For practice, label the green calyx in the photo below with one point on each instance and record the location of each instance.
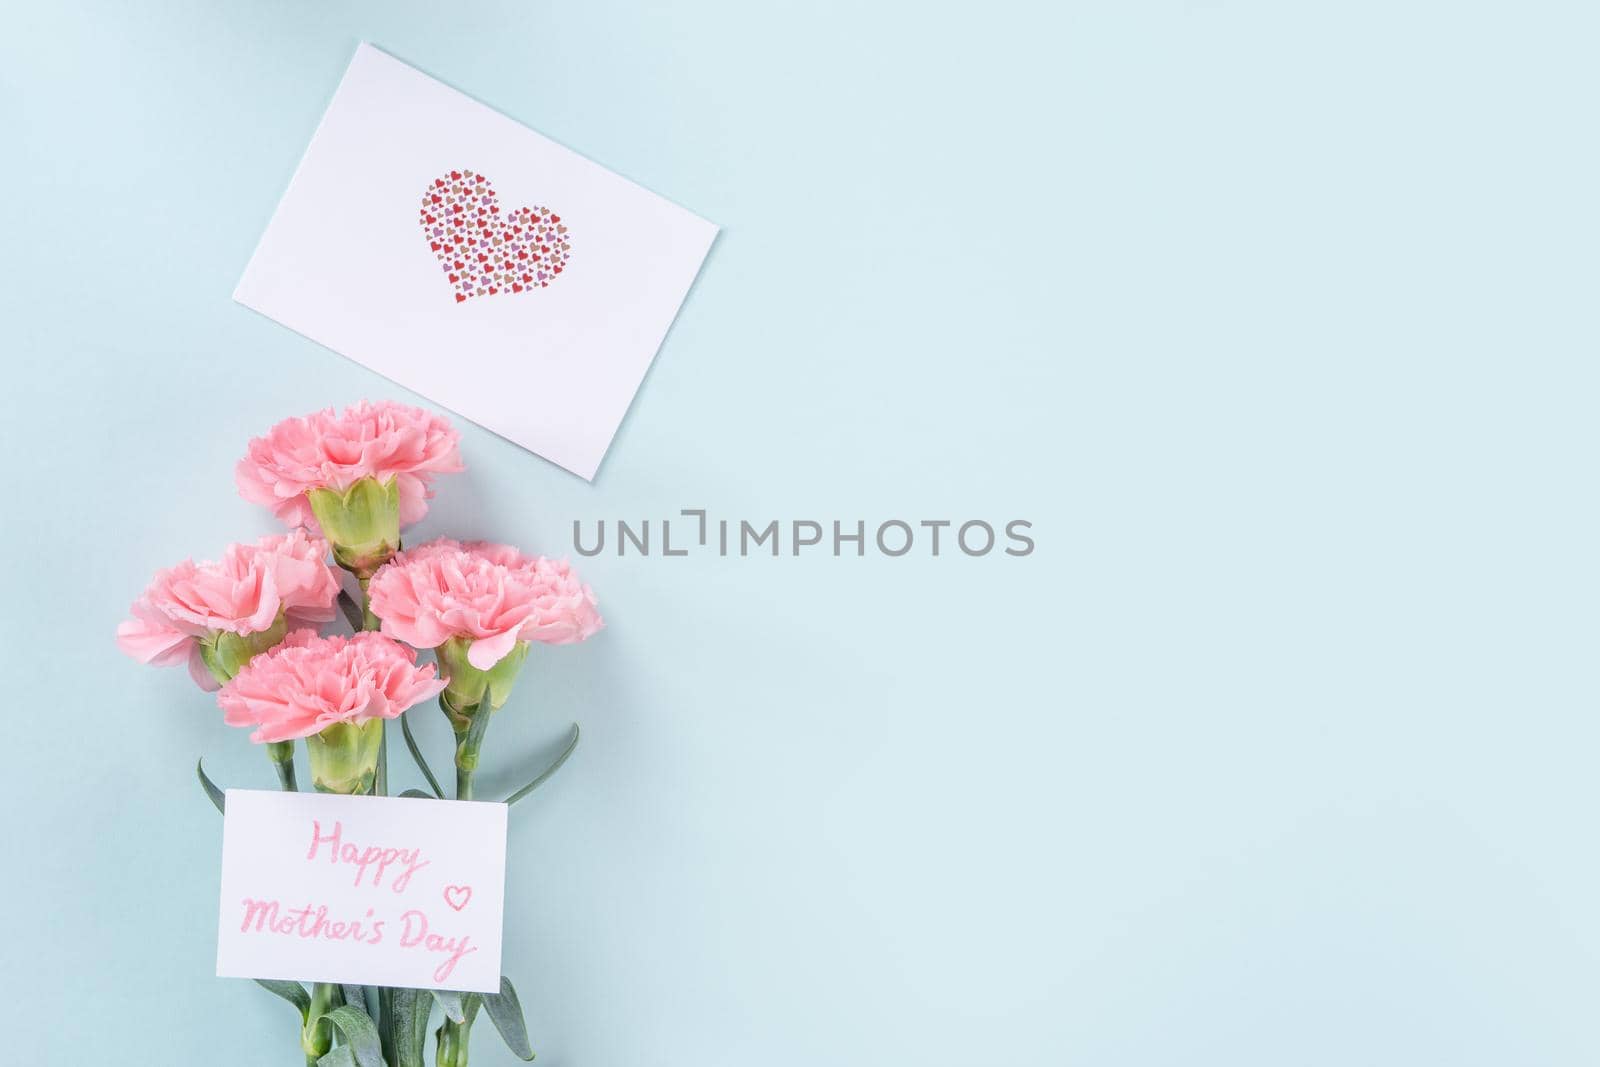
(362, 523)
(225, 653)
(344, 757)
(470, 697)
(468, 686)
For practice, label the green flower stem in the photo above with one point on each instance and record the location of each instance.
(380, 784)
(467, 760)
(454, 1038)
(469, 717)
(369, 621)
(469, 742)
(449, 1043)
(316, 1037)
(281, 753)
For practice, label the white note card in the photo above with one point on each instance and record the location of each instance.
(362, 890)
(459, 253)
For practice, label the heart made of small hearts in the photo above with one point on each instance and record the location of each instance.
(484, 251)
(457, 896)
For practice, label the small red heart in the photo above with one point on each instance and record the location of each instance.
(454, 278)
(516, 287)
(459, 298)
(435, 245)
(438, 183)
(436, 199)
(492, 290)
(455, 175)
(555, 218)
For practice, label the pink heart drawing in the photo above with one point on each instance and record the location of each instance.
(484, 251)
(457, 895)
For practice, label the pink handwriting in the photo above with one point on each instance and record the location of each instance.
(379, 859)
(307, 923)
(417, 934)
(311, 923)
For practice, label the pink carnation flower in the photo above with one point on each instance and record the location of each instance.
(491, 594)
(244, 593)
(327, 451)
(309, 683)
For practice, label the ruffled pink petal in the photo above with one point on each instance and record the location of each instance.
(488, 593)
(150, 642)
(334, 451)
(485, 652)
(414, 495)
(309, 683)
(243, 593)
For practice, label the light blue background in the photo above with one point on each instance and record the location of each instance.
(1276, 319)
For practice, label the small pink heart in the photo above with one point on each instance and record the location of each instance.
(457, 895)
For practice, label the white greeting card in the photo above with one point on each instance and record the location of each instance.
(470, 259)
(362, 890)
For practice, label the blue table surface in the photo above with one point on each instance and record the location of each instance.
(1275, 320)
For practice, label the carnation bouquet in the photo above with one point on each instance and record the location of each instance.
(249, 627)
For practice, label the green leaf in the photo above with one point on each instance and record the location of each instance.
(380, 783)
(454, 1010)
(352, 611)
(386, 1022)
(506, 1011)
(417, 794)
(358, 1032)
(411, 1007)
(419, 1019)
(356, 995)
(339, 1057)
(416, 754)
(293, 992)
(572, 743)
(211, 788)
